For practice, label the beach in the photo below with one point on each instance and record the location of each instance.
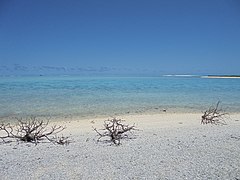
(119, 90)
(165, 146)
(170, 142)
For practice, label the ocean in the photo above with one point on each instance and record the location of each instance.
(88, 97)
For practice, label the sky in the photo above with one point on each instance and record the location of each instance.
(161, 36)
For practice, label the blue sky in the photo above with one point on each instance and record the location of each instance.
(169, 37)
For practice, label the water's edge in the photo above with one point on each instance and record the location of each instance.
(89, 97)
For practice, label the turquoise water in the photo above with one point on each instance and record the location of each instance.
(111, 96)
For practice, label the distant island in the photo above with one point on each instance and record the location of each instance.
(221, 76)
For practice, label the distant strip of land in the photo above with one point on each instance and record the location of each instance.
(222, 76)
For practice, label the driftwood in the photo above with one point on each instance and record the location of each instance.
(31, 130)
(214, 115)
(114, 130)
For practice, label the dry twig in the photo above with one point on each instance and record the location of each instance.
(31, 130)
(214, 115)
(115, 130)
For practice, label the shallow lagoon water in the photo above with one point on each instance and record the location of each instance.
(113, 96)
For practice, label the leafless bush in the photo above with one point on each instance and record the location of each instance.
(62, 140)
(31, 130)
(214, 115)
(114, 130)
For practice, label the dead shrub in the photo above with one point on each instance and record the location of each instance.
(214, 115)
(31, 130)
(114, 131)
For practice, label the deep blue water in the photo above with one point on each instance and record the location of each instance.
(109, 96)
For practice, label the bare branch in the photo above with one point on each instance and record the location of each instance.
(31, 130)
(214, 115)
(114, 130)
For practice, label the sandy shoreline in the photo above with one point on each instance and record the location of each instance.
(168, 146)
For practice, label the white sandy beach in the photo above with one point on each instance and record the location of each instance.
(167, 146)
